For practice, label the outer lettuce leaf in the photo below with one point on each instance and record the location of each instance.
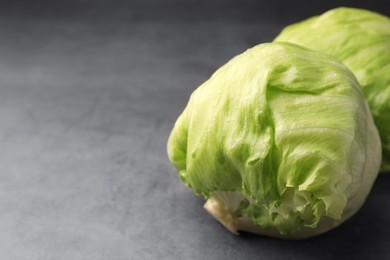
(361, 40)
(280, 141)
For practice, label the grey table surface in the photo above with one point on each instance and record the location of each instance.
(88, 95)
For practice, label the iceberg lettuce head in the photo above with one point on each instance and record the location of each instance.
(361, 40)
(280, 141)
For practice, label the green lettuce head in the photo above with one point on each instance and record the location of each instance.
(279, 141)
(361, 40)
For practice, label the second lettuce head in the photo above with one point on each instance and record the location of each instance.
(361, 40)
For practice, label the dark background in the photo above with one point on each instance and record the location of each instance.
(89, 91)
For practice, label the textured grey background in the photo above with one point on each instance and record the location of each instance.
(89, 91)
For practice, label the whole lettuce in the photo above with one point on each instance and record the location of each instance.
(361, 40)
(280, 141)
